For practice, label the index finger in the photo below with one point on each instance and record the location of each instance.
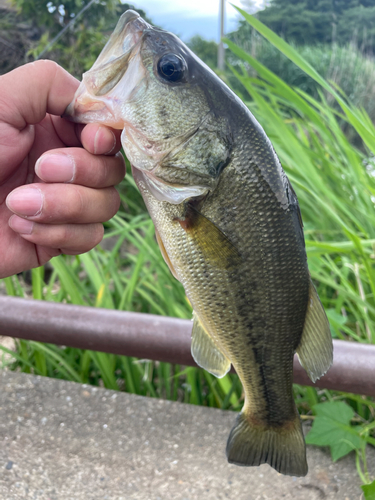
(29, 92)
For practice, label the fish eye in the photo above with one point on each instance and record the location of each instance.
(171, 67)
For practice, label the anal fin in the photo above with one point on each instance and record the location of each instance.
(206, 353)
(315, 350)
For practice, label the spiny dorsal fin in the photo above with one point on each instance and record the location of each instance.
(315, 350)
(205, 352)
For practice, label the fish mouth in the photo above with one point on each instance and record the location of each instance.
(92, 102)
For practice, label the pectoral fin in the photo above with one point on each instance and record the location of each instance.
(216, 247)
(164, 253)
(315, 351)
(206, 353)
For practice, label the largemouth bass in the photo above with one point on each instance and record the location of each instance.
(227, 222)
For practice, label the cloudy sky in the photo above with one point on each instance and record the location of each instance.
(190, 17)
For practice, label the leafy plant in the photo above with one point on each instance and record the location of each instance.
(332, 428)
(335, 183)
(347, 66)
(369, 491)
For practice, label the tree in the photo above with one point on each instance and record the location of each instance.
(16, 38)
(80, 45)
(205, 50)
(358, 26)
(321, 21)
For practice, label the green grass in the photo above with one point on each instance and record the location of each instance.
(335, 184)
(347, 66)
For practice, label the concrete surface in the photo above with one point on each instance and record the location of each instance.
(60, 440)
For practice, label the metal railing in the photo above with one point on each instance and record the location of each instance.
(158, 338)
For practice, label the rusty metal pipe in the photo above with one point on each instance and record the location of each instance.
(158, 338)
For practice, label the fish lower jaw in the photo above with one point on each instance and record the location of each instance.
(86, 109)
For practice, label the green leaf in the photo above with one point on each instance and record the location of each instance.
(332, 428)
(369, 491)
(37, 282)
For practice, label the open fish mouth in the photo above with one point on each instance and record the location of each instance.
(118, 63)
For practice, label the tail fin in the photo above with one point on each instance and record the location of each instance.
(283, 448)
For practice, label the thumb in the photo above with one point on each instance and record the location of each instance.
(29, 92)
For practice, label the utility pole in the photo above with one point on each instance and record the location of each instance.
(220, 51)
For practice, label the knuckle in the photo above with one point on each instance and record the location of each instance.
(66, 234)
(77, 208)
(46, 63)
(73, 242)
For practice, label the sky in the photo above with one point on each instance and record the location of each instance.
(189, 18)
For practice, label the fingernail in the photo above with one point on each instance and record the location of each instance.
(20, 225)
(101, 136)
(25, 201)
(55, 168)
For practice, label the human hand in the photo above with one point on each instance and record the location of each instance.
(54, 193)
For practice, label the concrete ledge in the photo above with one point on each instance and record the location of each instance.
(65, 441)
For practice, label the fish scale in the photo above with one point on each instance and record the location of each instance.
(228, 225)
(256, 318)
